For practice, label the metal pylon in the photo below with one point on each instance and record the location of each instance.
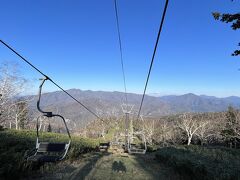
(127, 109)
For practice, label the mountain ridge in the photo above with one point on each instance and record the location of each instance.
(106, 103)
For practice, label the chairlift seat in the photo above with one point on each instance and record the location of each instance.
(137, 151)
(114, 143)
(51, 147)
(49, 152)
(133, 148)
(104, 145)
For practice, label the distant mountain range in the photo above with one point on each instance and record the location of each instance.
(107, 103)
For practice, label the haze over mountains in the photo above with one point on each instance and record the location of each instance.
(108, 103)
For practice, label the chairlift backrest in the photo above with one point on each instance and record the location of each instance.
(51, 147)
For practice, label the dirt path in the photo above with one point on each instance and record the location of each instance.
(109, 166)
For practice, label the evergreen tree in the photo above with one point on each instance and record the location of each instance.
(22, 113)
(234, 19)
(49, 129)
(229, 131)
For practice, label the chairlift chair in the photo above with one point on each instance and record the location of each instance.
(48, 151)
(104, 146)
(132, 148)
(129, 146)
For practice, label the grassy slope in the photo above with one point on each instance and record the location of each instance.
(191, 162)
(195, 162)
(110, 166)
(14, 144)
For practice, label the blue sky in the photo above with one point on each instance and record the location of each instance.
(75, 43)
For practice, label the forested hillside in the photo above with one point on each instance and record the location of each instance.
(109, 103)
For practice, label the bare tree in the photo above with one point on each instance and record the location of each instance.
(18, 113)
(43, 123)
(231, 128)
(110, 119)
(189, 125)
(11, 85)
(205, 131)
(165, 132)
(210, 127)
(237, 125)
(148, 129)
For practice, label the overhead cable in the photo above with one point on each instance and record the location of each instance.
(153, 57)
(120, 48)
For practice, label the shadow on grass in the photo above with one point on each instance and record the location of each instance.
(119, 166)
(82, 172)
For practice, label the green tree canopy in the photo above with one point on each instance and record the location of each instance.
(234, 19)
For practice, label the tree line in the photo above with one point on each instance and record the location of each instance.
(210, 128)
(215, 128)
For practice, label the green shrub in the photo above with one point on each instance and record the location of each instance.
(195, 162)
(14, 144)
(152, 148)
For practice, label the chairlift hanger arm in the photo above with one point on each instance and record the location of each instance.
(47, 113)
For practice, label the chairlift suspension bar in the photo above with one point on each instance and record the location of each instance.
(46, 113)
(39, 97)
(126, 130)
